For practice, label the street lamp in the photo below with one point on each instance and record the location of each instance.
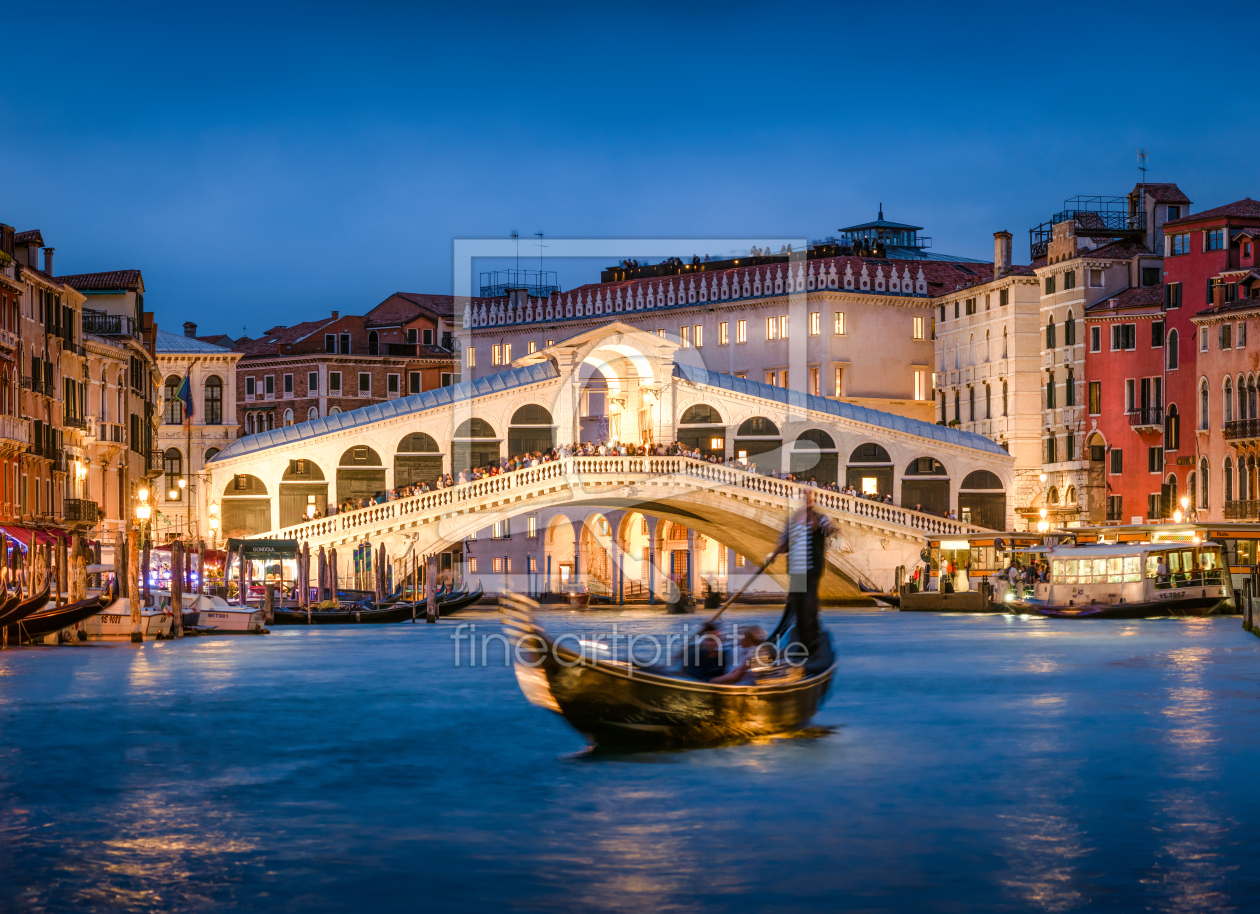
(1043, 525)
(143, 510)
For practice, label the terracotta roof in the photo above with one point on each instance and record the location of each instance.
(1121, 249)
(1241, 304)
(117, 279)
(1143, 298)
(1164, 193)
(1246, 208)
(267, 343)
(441, 305)
(31, 237)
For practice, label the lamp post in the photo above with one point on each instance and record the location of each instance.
(143, 512)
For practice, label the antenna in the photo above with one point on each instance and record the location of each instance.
(516, 236)
(1142, 157)
(540, 254)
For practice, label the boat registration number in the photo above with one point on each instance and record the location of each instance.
(1175, 595)
(111, 620)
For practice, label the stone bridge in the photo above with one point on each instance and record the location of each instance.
(644, 388)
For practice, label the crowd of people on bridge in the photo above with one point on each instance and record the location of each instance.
(607, 449)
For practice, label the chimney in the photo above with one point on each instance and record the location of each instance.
(190, 329)
(48, 261)
(336, 314)
(1001, 253)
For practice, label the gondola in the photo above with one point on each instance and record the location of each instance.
(26, 607)
(11, 600)
(462, 600)
(45, 623)
(360, 614)
(617, 704)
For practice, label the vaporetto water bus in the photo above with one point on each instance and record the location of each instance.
(1132, 580)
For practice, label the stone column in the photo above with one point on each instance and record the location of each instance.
(652, 525)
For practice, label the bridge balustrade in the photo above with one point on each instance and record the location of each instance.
(623, 468)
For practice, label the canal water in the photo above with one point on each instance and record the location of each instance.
(962, 763)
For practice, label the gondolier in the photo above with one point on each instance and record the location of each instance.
(805, 542)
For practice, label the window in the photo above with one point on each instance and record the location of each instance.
(312, 383)
(1172, 428)
(1150, 276)
(507, 353)
(1095, 279)
(971, 306)
(1225, 336)
(1004, 399)
(330, 342)
(497, 565)
(550, 343)
(1174, 212)
(813, 382)
(269, 386)
(839, 382)
(1155, 459)
(1050, 397)
(920, 384)
(1069, 282)
(772, 328)
(1214, 239)
(374, 343)
(334, 383)
(988, 402)
(1050, 334)
(391, 385)
(1171, 354)
(345, 343)
(532, 347)
(1227, 401)
(971, 404)
(1203, 404)
(213, 413)
(1203, 483)
(1050, 455)
(288, 417)
(772, 378)
(365, 384)
(446, 379)
(413, 382)
(1095, 339)
(783, 327)
(684, 336)
(955, 310)
(1123, 336)
(1004, 297)
(1095, 398)
(741, 332)
(288, 385)
(472, 564)
(471, 356)
(1241, 340)
(1179, 244)
(815, 323)
(1157, 334)
(1172, 296)
(839, 323)
(723, 334)
(1049, 285)
(173, 466)
(502, 529)
(1069, 389)
(1117, 461)
(1070, 447)
(1069, 331)
(496, 354)
(312, 414)
(173, 406)
(1203, 339)
(918, 328)
(428, 337)
(1130, 401)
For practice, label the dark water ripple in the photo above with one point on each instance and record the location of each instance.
(962, 764)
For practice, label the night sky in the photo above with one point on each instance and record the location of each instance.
(263, 163)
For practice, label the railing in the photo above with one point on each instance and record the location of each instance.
(101, 324)
(74, 421)
(82, 511)
(572, 471)
(1210, 576)
(34, 383)
(154, 462)
(1147, 417)
(1242, 509)
(15, 428)
(1241, 428)
(403, 349)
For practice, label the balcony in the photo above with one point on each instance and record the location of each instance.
(1147, 418)
(1242, 509)
(15, 428)
(74, 421)
(101, 324)
(82, 511)
(1095, 217)
(1242, 430)
(154, 464)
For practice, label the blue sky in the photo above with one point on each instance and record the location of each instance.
(265, 163)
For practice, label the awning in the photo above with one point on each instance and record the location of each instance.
(22, 535)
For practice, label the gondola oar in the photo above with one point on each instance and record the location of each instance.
(739, 593)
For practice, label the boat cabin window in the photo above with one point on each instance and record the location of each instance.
(1113, 570)
(1241, 552)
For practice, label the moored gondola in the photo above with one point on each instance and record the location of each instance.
(616, 703)
(26, 607)
(10, 602)
(43, 623)
(362, 614)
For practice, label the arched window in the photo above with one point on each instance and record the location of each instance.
(374, 343)
(210, 454)
(1174, 503)
(1227, 406)
(1251, 397)
(1243, 482)
(1192, 491)
(971, 350)
(1174, 357)
(1052, 497)
(971, 403)
(1229, 479)
(172, 406)
(1069, 330)
(173, 466)
(988, 349)
(944, 416)
(869, 453)
(249, 423)
(312, 414)
(1069, 497)
(758, 425)
(334, 410)
(288, 417)
(1069, 388)
(1050, 341)
(1203, 482)
(1004, 342)
(957, 406)
(1240, 395)
(1203, 404)
(271, 421)
(213, 413)
(104, 396)
(1172, 428)
(1050, 397)
(1004, 399)
(988, 402)
(957, 349)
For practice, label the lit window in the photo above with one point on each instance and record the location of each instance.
(507, 353)
(699, 328)
(918, 328)
(813, 381)
(531, 526)
(497, 564)
(533, 346)
(472, 564)
(684, 336)
(496, 355)
(741, 332)
(815, 323)
(771, 377)
(839, 323)
(723, 334)
(783, 327)
(920, 384)
(472, 357)
(772, 328)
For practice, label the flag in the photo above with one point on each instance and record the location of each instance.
(185, 395)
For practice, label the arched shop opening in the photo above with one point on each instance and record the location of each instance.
(758, 442)
(982, 501)
(814, 456)
(246, 508)
(360, 474)
(303, 490)
(417, 460)
(701, 427)
(531, 430)
(870, 470)
(476, 445)
(925, 485)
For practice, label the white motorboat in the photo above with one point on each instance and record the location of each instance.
(115, 623)
(222, 616)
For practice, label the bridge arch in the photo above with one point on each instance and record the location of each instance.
(531, 429)
(417, 459)
(474, 444)
(759, 441)
(702, 427)
(360, 474)
(925, 483)
(246, 509)
(982, 500)
(302, 488)
(870, 469)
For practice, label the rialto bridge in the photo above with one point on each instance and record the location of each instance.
(623, 384)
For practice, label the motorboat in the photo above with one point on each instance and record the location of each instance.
(230, 618)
